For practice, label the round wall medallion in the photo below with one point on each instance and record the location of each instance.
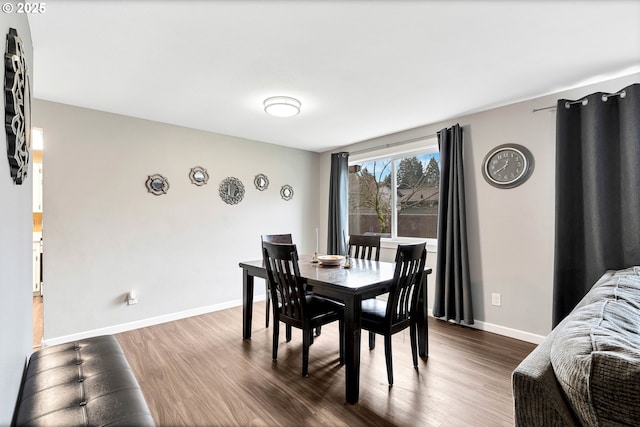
(507, 166)
(17, 102)
(231, 190)
(261, 182)
(286, 192)
(198, 176)
(157, 184)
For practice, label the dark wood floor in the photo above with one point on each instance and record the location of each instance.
(200, 372)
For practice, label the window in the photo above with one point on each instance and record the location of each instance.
(395, 195)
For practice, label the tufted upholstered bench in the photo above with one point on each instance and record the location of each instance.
(83, 383)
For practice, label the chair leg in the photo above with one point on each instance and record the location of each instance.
(306, 342)
(341, 327)
(288, 332)
(276, 337)
(372, 338)
(268, 300)
(318, 331)
(387, 355)
(413, 331)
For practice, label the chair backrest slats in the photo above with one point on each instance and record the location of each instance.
(403, 296)
(285, 282)
(364, 246)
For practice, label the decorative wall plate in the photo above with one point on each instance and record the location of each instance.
(286, 192)
(261, 182)
(231, 190)
(17, 103)
(198, 175)
(157, 184)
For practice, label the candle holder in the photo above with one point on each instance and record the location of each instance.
(347, 255)
(314, 259)
(347, 262)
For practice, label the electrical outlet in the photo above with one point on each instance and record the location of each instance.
(496, 299)
(132, 298)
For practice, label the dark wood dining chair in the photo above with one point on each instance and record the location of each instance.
(387, 317)
(364, 246)
(292, 305)
(272, 238)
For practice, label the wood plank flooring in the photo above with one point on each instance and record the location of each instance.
(38, 323)
(200, 372)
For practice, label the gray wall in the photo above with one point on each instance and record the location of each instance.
(511, 232)
(15, 255)
(104, 234)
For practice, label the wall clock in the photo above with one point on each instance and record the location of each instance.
(507, 165)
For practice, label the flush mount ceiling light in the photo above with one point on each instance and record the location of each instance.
(282, 106)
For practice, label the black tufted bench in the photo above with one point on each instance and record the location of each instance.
(82, 383)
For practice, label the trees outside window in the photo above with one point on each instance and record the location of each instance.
(396, 196)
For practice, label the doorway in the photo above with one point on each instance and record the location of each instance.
(37, 143)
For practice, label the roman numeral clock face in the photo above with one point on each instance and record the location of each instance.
(507, 166)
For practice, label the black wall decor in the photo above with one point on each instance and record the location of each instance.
(17, 107)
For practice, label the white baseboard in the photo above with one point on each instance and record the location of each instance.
(504, 331)
(124, 327)
(508, 332)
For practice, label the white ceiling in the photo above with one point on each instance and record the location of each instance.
(361, 69)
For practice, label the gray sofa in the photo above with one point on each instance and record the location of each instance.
(587, 370)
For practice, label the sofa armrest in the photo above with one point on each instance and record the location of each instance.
(538, 398)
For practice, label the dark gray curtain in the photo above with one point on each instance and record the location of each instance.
(338, 208)
(597, 192)
(453, 288)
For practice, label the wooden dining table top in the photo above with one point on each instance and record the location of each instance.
(357, 279)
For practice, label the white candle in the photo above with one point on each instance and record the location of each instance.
(316, 240)
(345, 242)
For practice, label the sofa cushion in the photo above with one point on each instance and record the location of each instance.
(608, 287)
(596, 354)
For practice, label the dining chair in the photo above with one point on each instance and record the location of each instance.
(387, 317)
(272, 238)
(292, 305)
(364, 246)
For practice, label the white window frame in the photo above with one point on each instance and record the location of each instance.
(427, 145)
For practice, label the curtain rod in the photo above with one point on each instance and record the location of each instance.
(535, 110)
(583, 101)
(393, 144)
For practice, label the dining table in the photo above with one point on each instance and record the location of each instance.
(364, 279)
